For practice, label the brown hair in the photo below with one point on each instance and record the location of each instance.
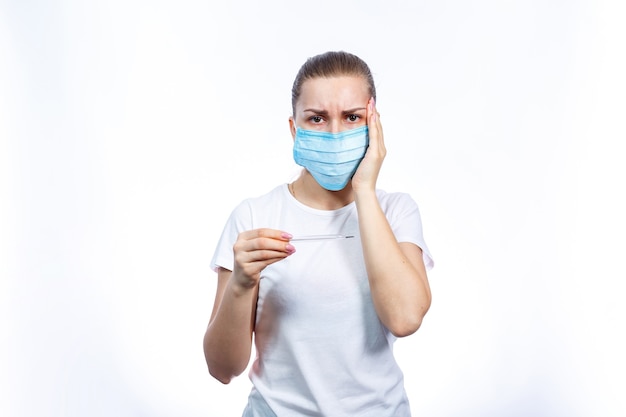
(331, 64)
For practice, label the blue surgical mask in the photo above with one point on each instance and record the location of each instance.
(331, 158)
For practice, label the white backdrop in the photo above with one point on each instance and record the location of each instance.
(129, 130)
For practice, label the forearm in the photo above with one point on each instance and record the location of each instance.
(399, 286)
(228, 339)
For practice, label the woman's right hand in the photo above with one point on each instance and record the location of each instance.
(256, 249)
(228, 338)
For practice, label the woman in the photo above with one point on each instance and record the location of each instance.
(324, 316)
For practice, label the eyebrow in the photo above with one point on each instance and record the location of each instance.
(324, 112)
(316, 111)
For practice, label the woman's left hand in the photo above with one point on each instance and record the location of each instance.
(366, 175)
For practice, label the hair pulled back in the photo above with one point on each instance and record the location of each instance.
(331, 64)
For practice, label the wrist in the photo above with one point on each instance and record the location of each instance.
(241, 287)
(366, 193)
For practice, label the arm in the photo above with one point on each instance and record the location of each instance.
(228, 338)
(396, 271)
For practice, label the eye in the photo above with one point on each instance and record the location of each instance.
(316, 119)
(353, 117)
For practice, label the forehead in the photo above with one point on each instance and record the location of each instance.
(343, 91)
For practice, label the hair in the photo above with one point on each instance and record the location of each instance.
(331, 64)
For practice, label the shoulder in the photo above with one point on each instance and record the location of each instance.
(275, 196)
(277, 193)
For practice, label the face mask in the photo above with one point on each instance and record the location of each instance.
(331, 158)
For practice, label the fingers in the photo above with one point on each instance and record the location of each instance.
(260, 244)
(374, 125)
(265, 233)
(256, 249)
(367, 173)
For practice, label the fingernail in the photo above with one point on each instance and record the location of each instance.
(289, 248)
(286, 235)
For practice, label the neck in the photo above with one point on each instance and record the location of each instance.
(307, 191)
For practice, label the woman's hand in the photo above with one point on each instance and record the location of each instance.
(228, 339)
(256, 249)
(366, 175)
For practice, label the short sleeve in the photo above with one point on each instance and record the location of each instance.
(238, 221)
(406, 222)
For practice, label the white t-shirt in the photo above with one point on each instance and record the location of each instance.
(321, 349)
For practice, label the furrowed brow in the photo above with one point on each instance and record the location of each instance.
(317, 111)
(356, 109)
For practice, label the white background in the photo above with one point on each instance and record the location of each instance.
(129, 129)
